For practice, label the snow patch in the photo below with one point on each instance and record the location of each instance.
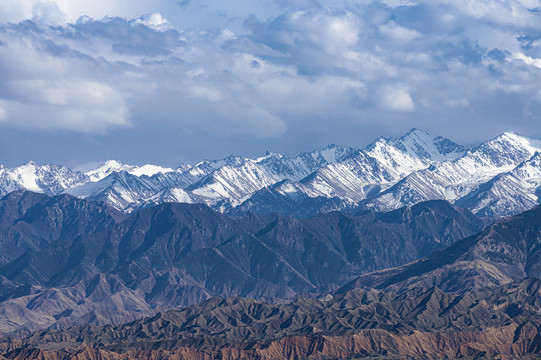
(149, 170)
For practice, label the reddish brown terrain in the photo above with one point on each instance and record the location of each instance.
(502, 322)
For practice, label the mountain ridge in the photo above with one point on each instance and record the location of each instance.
(178, 254)
(387, 174)
(506, 251)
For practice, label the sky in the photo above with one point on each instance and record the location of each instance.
(177, 81)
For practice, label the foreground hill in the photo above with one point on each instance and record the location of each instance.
(502, 323)
(99, 270)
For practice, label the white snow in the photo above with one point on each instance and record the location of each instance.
(387, 174)
(532, 145)
(90, 188)
(329, 154)
(26, 176)
(149, 170)
(106, 168)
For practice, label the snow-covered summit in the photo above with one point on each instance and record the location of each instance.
(102, 170)
(461, 178)
(387, 174)
(436, 148)
(48, 179)
(106, 168)
(149, 170)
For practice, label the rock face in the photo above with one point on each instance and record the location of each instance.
(501, 322)
(90, 267)
(506, 251)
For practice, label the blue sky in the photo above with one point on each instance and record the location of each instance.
(171, 81)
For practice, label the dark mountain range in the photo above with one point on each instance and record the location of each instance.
(502, 322)
(90, 267)
(507, 251)
(30, 221)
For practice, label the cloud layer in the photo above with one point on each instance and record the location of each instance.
(244, 76)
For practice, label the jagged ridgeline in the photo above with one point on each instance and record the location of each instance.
(498, 178)
(67, 261)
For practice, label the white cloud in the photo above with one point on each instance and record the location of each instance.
(291, 69)
(155, 21)
(43, 89)
(84, 107)
(397, 32)
(528, 60)
(46, 12)
(503, 12)
(226, 35)
(335, 32)
(397, 98)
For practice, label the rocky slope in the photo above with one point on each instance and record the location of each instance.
(502, 323)
(95, 269)
(508, 193)
(506, 251)
(30, 221)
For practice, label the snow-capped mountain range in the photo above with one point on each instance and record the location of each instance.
(498, 178)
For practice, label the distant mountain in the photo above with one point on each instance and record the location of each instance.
(498, 323)
(380, 165)
(47, 179)
(496, 179)
(463, 177)
(287, 198)
(89, 267)
(507, 251)
(507, 193)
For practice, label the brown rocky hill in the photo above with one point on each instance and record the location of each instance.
(502, 322)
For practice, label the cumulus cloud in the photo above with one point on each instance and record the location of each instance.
(293, 74)
(528, 60)
(155, 21)
(397, 97)
(397, 32)
(46, 86)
